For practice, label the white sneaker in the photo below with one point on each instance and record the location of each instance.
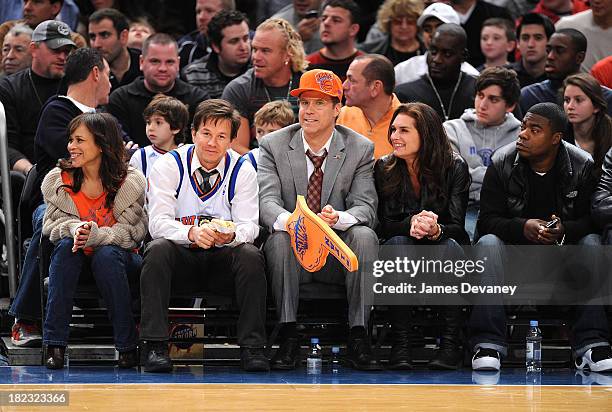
(486, 360)
(594, 378)
(485, 377)
(597, 359)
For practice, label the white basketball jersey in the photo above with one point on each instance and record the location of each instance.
(193, 205)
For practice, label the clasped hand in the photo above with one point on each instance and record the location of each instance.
(80, 237)
(329, 215)
(424, 224)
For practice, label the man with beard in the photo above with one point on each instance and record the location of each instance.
(108, 32)
(228, 33)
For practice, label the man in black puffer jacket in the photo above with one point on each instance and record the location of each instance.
(537, 179)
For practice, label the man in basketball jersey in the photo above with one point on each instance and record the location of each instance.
(332, 167)
(188, 187)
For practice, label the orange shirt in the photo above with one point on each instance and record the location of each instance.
(90, 209)
(353, 117)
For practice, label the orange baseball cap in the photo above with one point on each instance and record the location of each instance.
(319, 80)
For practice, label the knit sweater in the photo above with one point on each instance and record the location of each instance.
(62, 217)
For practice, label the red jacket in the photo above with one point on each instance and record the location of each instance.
(577, 7)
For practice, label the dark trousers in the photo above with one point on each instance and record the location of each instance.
(110, 266)
(237, 271)
(452, 315)
(286, 274)
(488, 322)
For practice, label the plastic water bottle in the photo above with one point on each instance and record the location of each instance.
(67, 357)
(533, 353)
(314, 362)
(335, 359)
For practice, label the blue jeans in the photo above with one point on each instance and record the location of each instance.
(471, 217)
(110, 266)
(26, 304)
(488, 319)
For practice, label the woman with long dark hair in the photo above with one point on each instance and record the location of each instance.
(423, 192)
(590, 126)
(95, 218)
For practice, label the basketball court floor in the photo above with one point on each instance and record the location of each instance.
(190, 388)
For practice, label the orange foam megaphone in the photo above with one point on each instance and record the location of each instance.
(312, 240)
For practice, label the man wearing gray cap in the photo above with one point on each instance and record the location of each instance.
(24, 93)
(433, 16)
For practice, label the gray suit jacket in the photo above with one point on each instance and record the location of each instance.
(348, 181)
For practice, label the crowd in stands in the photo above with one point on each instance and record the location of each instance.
(416, 123)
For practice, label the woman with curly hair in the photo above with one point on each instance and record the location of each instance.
(590, 126)
(96, 220)
(397, 21)
(423, 193)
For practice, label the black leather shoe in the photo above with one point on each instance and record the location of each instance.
(158, 359)
(359, 355)
(400, 357)
(286, 356)
(55, 357)
(254, 360)
(448, 357)
(128, 359)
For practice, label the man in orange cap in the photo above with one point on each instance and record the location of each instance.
(331, 166)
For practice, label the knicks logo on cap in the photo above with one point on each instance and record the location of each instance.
(325, 81)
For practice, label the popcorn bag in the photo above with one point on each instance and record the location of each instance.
(185, 332)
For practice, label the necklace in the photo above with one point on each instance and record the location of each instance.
(450, 103)
(34, 87)
(40, 102)
(288, 89)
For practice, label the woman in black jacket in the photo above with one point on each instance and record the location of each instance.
(423, 193)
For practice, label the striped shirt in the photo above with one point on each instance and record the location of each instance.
(205, 74)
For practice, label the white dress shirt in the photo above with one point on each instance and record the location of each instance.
(345, 220)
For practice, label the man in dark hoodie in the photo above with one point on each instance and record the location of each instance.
(484, 129)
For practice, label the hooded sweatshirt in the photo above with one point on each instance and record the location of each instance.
(476, 144)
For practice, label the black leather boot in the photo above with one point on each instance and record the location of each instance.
(401, 355)
(128, 359)
(55, 357)
(449, 356)
(158, 358)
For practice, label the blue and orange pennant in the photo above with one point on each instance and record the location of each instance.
(312, 240)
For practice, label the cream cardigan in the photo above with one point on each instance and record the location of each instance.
(62, 217)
